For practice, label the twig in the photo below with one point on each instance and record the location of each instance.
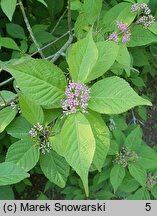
(135, 120)
(51, 43)
(133, 117)
(67, 44)
(7, 102)
(57, 24)
(30, 29)
(62, 50)
(6, 81)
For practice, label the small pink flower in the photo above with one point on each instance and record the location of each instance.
(73, 110)
(123, 27)
(126, 37)
(114, 37)
(77, 95)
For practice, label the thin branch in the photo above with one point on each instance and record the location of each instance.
(67, 44)
(30, 29)
(135, 120)
(6, 81)
(51, 43)
(7, 102)
(133, 117)
(57, 24)
(62, 50)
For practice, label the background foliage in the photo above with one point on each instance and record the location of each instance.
(109, 152)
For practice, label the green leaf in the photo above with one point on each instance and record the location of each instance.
(55, 168)
(138, 81)
(59, 124)
(23, 153)
(153, 28)
(56, 143)
(40, 80)
(140, 194)
(123, 58)
(154, 191)
(23, 46)
(140, 57)
(141, 37)
(120, 12)
(102, 176)
(126, 16)
(116, 176)
(30, 110)
(104, 194)
(132, 1)
(119, 137)
(134, 139)
(80, 26)
(147, 157)
(102, 138)
(55, 7)
(15, 31)
(42, 197)
(108, 52)
(114, 95)
(138, 173)
(6, 95)
(76, 5)
(92, 9)
(143, 1)
(114, 148)
(78, 145)
(43, 2)
(7, 114)
(11, 173)
(120, 122)
(39, 28)
(19, 128)
(8, 43)
(81, 58)
(6, 193)
(142, 112)
(43, 37)
(129, 184)
(8, 7)
(117, 69)
(51, 114)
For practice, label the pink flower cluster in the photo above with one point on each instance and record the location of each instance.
(141, 7)
(145, 17)
(124, 31)
(41, 135)
(34, 131)
(14, 106)
(114, 37)
(146, 21)
(77, 96)
(122, 27)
